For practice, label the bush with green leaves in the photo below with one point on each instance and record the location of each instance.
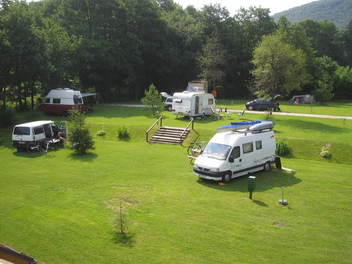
(7, 118)
(153, 99)
(123, 134)
(325, 151)
(282, 149)
(79, 135)
(101, 133)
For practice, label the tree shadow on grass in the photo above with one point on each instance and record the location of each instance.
(264, 181)
(126, 239)
(89, 157)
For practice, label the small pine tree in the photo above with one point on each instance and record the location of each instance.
(79, 135)
(153, 99)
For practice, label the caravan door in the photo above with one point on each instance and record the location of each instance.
(196, 106)
(235, 160)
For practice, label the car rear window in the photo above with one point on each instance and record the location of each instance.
(22, 131)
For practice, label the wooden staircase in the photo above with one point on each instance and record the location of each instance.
(170, 135)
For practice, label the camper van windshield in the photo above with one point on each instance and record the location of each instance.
(22, 131)
(216, 151)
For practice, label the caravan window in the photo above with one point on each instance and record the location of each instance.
(236, 153)
(38, 130)
(47, 100)
(178, 101)
(77, 100)
(56, 101)
(258, 144)
(210, 101)
(247, 147)
(22, 131)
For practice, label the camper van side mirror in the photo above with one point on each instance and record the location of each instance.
(231, 159)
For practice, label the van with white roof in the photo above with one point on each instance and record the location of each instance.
(236, 150)
(35, 134)
(59, 101)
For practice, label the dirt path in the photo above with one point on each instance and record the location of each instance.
(256, 112)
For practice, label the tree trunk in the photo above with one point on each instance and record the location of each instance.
(32, 95)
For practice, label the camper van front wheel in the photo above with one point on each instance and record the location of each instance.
(267, 166)
(226, 178)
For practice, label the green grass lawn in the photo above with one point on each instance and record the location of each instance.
(343, 108)
(61, 208)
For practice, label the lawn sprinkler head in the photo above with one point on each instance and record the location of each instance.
(283, 201)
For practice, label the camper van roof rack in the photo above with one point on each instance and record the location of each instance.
(256, 126)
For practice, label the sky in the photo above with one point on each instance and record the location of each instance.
(275, 6)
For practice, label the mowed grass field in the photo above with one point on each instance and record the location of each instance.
(339, 108)
(62, 208)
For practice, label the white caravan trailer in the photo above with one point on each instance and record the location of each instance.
(193, 104)
(34, 134)
(238, 149)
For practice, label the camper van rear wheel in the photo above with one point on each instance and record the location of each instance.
(267, 166)
(226, 178)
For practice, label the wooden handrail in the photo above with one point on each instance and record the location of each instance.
(160, 119)
(190, 123)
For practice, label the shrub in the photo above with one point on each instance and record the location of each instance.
(325, 151)
(153, 99)
(282, 149)
(79, 135)
(101, 133)
(7, 118)
(123, 133)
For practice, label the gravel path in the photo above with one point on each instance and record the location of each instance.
(256, 112)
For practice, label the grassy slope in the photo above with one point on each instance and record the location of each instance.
(61, 208)
(331, 108)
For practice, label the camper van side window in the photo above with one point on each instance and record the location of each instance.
(38, 130)
(56, 100)
(210, 101)
(178, 101)
(47, 100)
(258, 144)
(236, 153)
(248, 147)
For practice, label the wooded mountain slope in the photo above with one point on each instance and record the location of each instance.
(336, 11)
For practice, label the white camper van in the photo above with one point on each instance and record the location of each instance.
(237, 149)
(193, 104)
(29, 135)
(59, 101)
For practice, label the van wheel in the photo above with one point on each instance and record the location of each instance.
(226, 178)
(250, 108)
(169, 108)
(267, 166)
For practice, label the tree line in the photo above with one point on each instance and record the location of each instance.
(117, 48)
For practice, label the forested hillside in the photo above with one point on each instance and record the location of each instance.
(337, 11)
(119, 47)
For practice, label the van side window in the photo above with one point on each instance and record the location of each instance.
(56, 100)
(247, 147)
(178, 101)
(210, 101)
(235, 153)
(47, 100)
(38, 130)
(258, 144)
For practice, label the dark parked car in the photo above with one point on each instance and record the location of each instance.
(262, 105)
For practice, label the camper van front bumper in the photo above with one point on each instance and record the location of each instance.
(215, 176)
